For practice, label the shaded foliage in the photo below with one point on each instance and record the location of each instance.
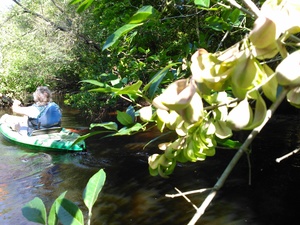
(51, 44)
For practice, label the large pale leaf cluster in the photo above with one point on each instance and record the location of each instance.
(227, 89)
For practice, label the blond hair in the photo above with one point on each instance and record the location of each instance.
(42, 95)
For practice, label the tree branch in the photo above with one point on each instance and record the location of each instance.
(57, 6)
(58, 27)
(235, 159)
(26, 10)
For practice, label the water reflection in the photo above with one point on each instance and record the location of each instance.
(132, 196)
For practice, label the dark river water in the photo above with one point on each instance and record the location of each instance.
(132, 196)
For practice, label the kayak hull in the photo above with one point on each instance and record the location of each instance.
(58, 141)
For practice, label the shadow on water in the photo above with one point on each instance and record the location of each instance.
(132, 196)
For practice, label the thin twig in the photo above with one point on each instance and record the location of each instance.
(223, 39)
(249, 166)
(238, 6)
(287, 155)
(254, 9)
(186, 198)
(236, 158)
(188, 193)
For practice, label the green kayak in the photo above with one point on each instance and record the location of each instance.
(52, 139)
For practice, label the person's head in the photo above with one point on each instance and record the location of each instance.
(42, 95)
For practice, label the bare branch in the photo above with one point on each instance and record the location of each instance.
(287, 155)
(188, 192)
(58, 27)
(238, 6)
(252, 7)
(186, 198)
(57, 6)
(26, 10)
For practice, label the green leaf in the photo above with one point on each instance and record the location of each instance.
(129, 130)
(93, 188)
(68, 213)
(234, 16)
(229, 143)
(83, 137)
(53, 219)
(130, 111)
(142, 14)
(94, 82)
(35, 211)
(156, 80)
(119, 33)
(106, 89)
(217, 23)
(130, 89)
(203, 3)
(84, 5)
(106, 125)
(73, 2)
(124, 118)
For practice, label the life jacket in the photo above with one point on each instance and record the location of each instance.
(50, 116)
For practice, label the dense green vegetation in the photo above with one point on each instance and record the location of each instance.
(47, 42)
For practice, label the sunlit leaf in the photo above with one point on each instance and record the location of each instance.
(229, 143)
(84, 5)
(119, 33)
(130, 89)
(73, 2)
(293, 97)
(69, 213)
(259, 113)
(53, 219)
(204, 3)
(270, 88)
(146, 113)
(35, 211)
(106, 125)
(93, 188)
(129, 130)
(144, 13)
(222, 130)
(240, 116)
(94, 82)
(245, 71)
(106, 89)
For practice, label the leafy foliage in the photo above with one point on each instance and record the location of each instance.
(206, 109)
(64, 210)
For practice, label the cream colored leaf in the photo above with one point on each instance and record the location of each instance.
(240, 116)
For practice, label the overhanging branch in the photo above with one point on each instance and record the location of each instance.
(58, 27)
(236, 158)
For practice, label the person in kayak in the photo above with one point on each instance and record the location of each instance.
(44, 113)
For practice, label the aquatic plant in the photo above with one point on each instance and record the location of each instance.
(64, 210)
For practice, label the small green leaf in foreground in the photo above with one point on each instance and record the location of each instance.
(35, 211)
